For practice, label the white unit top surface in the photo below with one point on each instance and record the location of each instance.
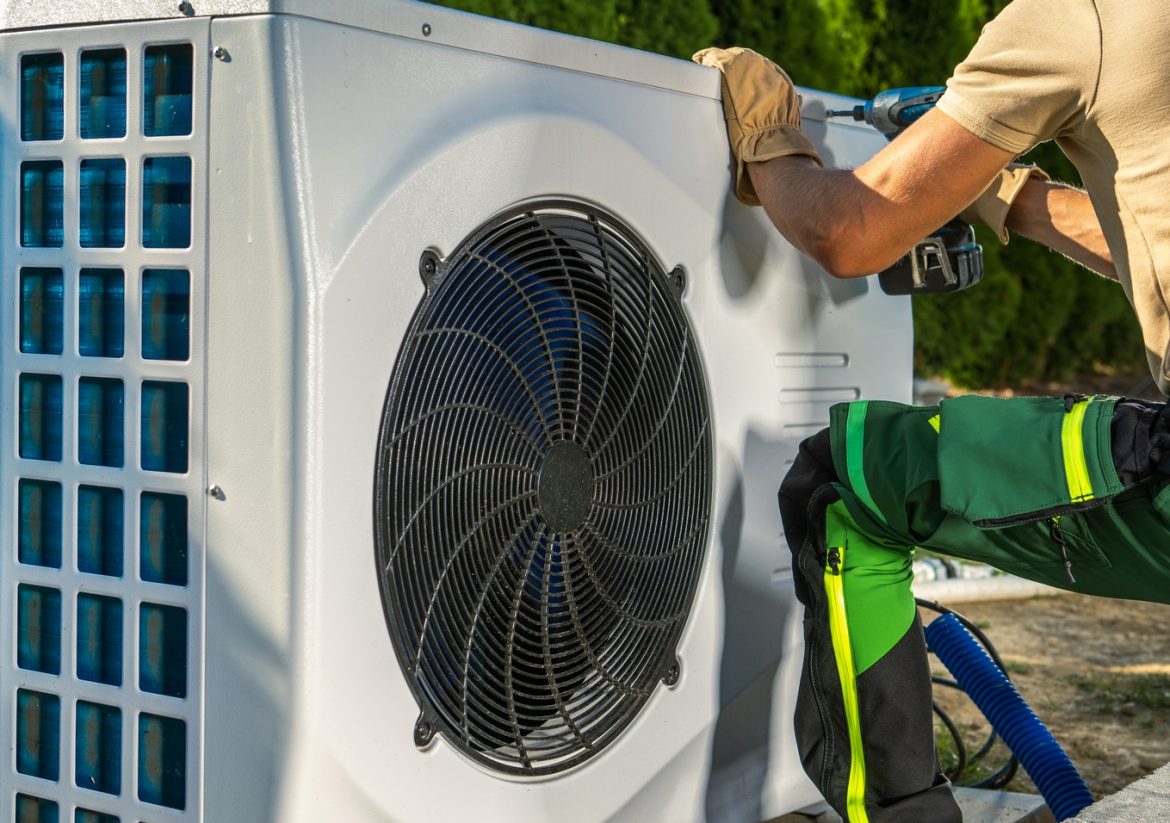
(415, 20)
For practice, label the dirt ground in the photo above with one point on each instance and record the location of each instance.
(1096, 672)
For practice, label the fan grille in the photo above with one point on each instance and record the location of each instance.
(542, 488)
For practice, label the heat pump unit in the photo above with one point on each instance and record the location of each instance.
(396, 401)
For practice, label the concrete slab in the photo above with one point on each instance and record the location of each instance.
(1146, 801)
(978, 805)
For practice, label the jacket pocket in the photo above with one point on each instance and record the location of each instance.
(1004, 461)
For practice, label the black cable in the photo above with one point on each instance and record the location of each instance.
(955, 772)
(1004, 774)
(992, 735)
(1001, 778)
(987, 743)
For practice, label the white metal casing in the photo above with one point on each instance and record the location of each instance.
(341, 142)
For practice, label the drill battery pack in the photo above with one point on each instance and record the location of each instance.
(948, 260)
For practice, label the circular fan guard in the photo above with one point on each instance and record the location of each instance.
(543, 488)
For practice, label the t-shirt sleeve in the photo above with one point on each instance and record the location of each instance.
(1031, 76)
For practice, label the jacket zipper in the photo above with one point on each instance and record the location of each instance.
(1058, 537)
(847, 675)
(1043, 514)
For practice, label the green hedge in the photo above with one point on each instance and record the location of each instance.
(1036, 316)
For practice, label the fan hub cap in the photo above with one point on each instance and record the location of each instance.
(564, 486)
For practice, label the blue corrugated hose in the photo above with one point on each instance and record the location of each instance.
(1012, 718)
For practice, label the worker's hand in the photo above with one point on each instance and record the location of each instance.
(762, 111)
(992, 207)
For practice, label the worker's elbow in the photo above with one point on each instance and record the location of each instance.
(843, 257)
(846, 267)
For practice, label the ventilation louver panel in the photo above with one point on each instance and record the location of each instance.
(103, 481)
(542, 489)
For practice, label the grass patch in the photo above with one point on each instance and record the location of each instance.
(1017, 666)
(1111, 691)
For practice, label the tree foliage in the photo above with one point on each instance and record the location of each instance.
(1036, 316)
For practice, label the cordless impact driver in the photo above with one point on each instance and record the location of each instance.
(949, 259)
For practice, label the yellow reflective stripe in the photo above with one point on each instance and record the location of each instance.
(935, 422)
(1076, 470)
(846, 673)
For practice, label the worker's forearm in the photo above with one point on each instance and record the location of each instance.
(783, 183)
(828, 214)
(859, 222)
(1063, 219)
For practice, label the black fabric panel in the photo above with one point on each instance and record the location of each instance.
(1140, 435)
(903, 778)
(822, 735)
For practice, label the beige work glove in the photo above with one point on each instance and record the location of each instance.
(762, 111)
(992, 207)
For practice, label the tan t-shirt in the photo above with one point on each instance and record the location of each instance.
(1095, 76)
